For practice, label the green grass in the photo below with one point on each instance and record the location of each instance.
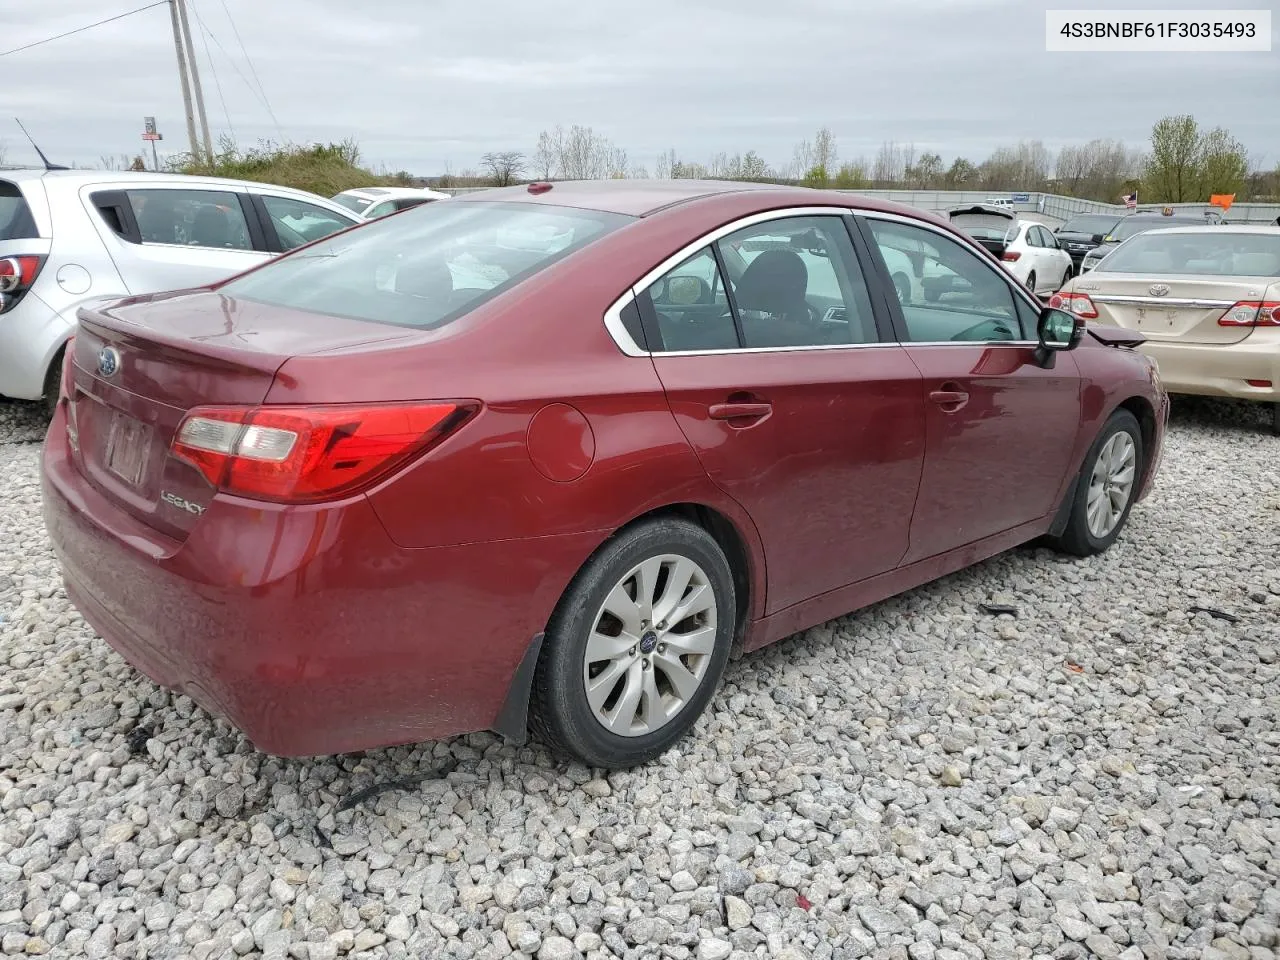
(323, 169)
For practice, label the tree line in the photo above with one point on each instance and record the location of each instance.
(1182, 161)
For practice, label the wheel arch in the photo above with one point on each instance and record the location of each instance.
(746, 562)
(1145, 414)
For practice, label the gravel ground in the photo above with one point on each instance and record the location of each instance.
(1099, 776)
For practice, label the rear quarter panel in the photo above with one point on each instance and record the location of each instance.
(542, 344)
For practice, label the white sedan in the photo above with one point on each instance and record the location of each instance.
(1031, 253)
(370, 203)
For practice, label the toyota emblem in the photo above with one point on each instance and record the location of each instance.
(108, 361)
(1158, 289)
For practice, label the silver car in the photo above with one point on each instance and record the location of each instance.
(76, 236)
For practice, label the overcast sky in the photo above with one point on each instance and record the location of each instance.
(425, 84)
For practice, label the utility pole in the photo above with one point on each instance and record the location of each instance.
(195, 82)
(182, 73)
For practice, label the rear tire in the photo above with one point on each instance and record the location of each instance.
(650, 680)
(1107, 488)
(1031, 282)
(1065, 277)
(53, 384)
(1275, 419)
(902, 287)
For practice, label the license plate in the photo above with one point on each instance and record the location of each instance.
(127, 448)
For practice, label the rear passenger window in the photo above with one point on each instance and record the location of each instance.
(791, 282)
(796, 283)
(191, 218)
(691, 307)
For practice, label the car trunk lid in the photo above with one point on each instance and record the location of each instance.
(141, 364)
(1178, 309)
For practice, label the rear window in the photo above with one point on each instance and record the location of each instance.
(1090, 224)
(1131, 228)
(16, 222)
(352, 202)
(1216, 253)
(985, 226)
(429, 265)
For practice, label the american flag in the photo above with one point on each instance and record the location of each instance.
(1131, 200)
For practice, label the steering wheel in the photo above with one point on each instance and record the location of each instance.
(997, 325)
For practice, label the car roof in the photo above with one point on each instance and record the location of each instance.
(383, 193)
(1220, 229)
(642, 198)
(90, 177)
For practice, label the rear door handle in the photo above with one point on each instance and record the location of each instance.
(951, 398)
(739, 411)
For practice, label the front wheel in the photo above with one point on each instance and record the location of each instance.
(637, 646)
(1108, 484)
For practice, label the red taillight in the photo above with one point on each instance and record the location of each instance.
(1252, 313)
(1009, 256)
(1076, 303)
(308, 454)
(1265, 384)
(17, 274)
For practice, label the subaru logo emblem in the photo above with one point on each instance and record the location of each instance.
(1158, 289)
(108, 361)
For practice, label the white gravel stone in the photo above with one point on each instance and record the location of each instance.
(1099, 776)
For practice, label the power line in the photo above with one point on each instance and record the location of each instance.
(204, 33)
(71, 33)
(240, 73)
(252, 68)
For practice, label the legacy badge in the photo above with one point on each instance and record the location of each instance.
(176, 501)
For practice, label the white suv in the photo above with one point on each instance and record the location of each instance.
(75, 236)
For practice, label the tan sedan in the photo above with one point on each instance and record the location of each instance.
(1206, 298)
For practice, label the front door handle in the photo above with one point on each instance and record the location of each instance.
(950, 398)
(739, 411)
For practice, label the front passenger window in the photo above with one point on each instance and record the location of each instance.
(960, 297)
(298, 222)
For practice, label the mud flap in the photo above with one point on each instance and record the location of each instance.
(513, 719)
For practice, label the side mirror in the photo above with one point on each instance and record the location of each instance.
(1098, 237)
(1058, 330)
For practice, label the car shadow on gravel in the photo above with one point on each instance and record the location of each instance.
(1243, 415)
(22, 421)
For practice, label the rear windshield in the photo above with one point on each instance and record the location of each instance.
(427, 266)
(16, 222)
(985, 226)
(1215, 253)
(1090, 224)
(352, 202)
(1132, 227)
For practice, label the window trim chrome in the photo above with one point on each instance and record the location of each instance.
(627, 344)
(618, 330)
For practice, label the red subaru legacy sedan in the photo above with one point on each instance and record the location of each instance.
(540, 457)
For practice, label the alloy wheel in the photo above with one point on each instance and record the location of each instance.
(651, 645)
(1111, 484)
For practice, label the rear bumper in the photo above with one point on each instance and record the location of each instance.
(1221, 370)
(308, 629)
